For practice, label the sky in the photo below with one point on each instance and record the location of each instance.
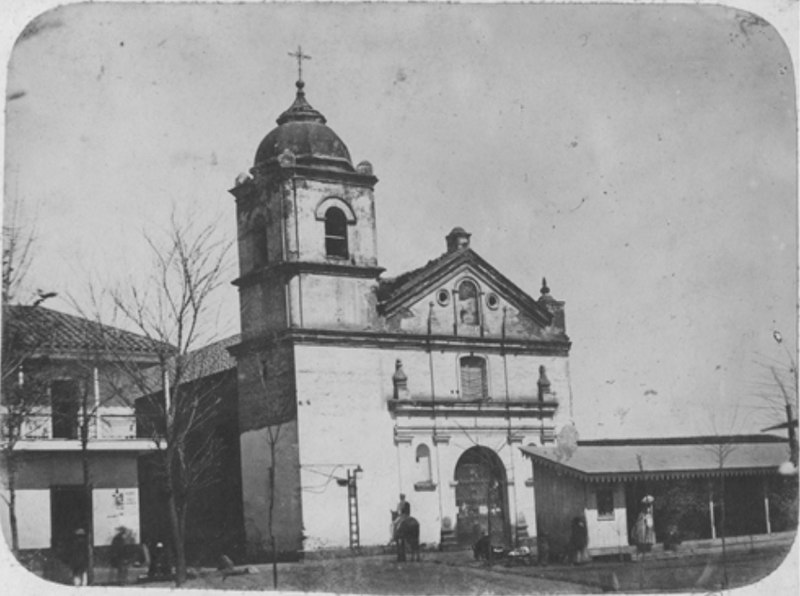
(641, 158)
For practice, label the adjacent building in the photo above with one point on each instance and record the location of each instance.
(214, 505)
(702, 487)
(70, 367)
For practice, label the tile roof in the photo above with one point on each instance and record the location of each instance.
(203, 362)
(389, 286)
(620, 460)
(211, 359)
(42, 329)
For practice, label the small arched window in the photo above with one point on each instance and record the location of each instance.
(468, 313)
(424, 464)
(335, 233)
(473, 378)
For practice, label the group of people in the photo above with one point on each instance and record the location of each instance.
(123, 553)
(642, 535)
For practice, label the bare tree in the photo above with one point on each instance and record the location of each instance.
(23, 395)
(725, 424)
(788, 385)
(175, 308)
(777, 390)
(23, 398)
(17, 252)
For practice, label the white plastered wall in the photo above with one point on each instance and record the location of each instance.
(33, 518)
(608, 531)
(343, 423)
(113, 508)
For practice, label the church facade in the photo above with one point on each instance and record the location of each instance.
(355, 387)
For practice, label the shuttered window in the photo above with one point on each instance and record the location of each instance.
(473, 378)
(605, 503)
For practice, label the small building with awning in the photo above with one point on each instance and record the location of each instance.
(701, 486)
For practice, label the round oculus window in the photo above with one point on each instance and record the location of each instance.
(492, 301)
(443, 297)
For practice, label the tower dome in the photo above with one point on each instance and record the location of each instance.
(303, 134)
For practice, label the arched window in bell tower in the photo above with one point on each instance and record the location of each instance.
(336, 233)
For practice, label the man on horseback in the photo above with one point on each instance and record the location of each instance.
(405, 531)
(403, 508)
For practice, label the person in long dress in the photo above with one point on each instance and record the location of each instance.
(643, 533)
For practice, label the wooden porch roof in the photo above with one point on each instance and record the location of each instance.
(616, 461)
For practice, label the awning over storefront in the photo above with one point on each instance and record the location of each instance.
(663, 459)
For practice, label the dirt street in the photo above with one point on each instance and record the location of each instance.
(383, 575)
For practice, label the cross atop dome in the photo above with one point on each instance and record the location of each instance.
(300, 57)
(300, 110)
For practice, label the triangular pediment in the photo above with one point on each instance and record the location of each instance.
(460, 291)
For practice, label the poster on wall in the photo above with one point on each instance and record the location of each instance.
(114, 508)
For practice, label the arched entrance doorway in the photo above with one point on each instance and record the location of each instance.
(481, 497)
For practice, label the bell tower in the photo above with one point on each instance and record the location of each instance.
(308, 269)
(306, 230)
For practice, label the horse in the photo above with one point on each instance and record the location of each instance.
(406, 536)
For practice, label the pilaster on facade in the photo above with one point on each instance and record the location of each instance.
(440, 438)
(403, 438)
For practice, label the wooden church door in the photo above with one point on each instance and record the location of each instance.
(481, 497)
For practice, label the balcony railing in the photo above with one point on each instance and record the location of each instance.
(111, 427)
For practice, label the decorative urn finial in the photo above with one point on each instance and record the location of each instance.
(400, 381)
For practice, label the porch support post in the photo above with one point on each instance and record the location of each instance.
(766, 505)
(711, 510)
(96, 391)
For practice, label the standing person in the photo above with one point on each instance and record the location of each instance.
(160, 563)
(649, 524)
(119, 557)
(643, 533)
(579, 539)
(78, 558)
